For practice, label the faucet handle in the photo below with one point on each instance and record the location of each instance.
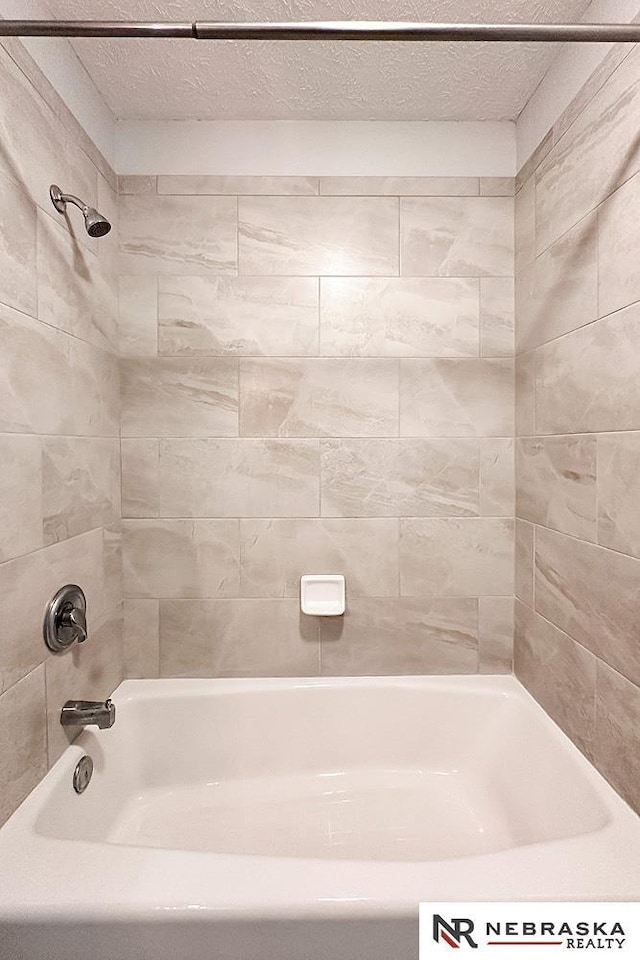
(76, 619)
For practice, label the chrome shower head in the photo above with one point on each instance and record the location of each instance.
(96, 225)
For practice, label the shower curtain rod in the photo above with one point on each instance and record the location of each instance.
(328, 30)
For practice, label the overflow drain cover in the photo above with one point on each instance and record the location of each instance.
(82, 774)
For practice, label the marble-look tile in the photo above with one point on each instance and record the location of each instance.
(497, 478)
(107, 247)
(558, 292)
(525, 225)
(495, 634)
(74, 293)
(17, 248)
(618, 240)
(457, 237)
(456, 398)
(276, 553)
(81, 485)
(239, 478)
(231, 638)
(399, 186)
(51, 383)
(616, 748)
(141, 632)
(399, 478)
(618, 484)
(401, 637)
(399, 317)
(319, 235)
(532, 163)
(596, 154)
(138, 316)
(239, 186)
(112, 563)
(593, 594)
(20, 495)
(140, 477)
(525, 394)
(23, 741)
(559, 673)
(176, 397)
(238, 316)
(468, 557)
(178, 236)
(557, 483)
(497, 186)
(525, 561)
(589, 380)
(178, 559)
(497, 317)
(89, 671)
(318, 398)
(136, 185)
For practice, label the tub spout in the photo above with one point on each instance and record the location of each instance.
(83, 713)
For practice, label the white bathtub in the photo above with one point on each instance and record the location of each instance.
(275, 819)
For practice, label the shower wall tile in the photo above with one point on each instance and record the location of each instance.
(20, 495)
(276, 553)
(616, 748)
(618, 240)
(136, 185)
(468, 557)
(318, 398)
(181, 558)
(525, 377)
(558, 291)
(80, 485)
(318, 325)
(599, 611)
(497, 494)
(618, 476)
(176, 397)
(497, 317)
(59, 408)
(238, 316)
(525, 561)
(495, 634)
(17, 248)
(231, 638)
(557, 483)
(589, 380)
(140, 477)
(559, 673)
(138, 316)
(457, 237)
(525, 226)
(239, 478)
(239, 186)
(178, 236)
(456, 398)
(141, 631)
(399, 317)
(23, 740)
(321, 235)
(51, 383)
(381, 637)
(74, 292)
(400, 478)
(400, 186)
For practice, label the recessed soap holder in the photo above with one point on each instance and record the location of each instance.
(323, 594)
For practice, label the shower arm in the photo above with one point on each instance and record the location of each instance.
(353, 30)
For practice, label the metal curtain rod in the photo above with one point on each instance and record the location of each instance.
(329, 30)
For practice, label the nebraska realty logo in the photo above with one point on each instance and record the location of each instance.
(582, 927)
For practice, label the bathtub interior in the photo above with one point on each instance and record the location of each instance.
(374, 772)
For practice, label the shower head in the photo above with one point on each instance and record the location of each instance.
(96, 225)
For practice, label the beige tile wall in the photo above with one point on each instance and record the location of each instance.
(317, 376)
(59, 422)
(578, 423)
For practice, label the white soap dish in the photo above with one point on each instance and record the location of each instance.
(323, 594)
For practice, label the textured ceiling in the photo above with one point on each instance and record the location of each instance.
(265, 80)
